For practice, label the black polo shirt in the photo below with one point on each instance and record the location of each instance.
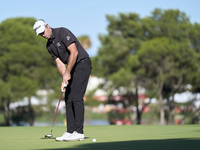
(60, 40)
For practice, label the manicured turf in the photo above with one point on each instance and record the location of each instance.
(134, 137)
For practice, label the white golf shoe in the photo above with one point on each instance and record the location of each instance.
(75, 136)
(64, 136)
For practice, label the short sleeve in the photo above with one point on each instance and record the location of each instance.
(67, 37)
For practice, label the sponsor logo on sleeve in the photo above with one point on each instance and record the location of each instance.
(68, 37)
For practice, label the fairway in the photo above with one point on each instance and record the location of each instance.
(134, 137)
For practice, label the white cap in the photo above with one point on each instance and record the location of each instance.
(39, 26)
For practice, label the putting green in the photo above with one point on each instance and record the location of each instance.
(110, 137)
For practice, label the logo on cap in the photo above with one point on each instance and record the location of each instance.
(37, 27)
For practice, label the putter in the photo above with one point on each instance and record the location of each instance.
(50, 135)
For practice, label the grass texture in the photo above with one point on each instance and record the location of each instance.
(134, 137)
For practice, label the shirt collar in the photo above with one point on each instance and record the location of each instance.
(53, 33)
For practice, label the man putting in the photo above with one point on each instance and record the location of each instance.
(65, 48)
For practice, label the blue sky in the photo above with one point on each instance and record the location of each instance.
(88, 17)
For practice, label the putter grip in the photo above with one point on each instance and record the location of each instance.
(64, 87)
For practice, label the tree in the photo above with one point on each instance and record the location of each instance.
(23, 64)
(161, 64)
(85, 41)
(158, 50)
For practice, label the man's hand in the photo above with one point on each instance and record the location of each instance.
(66, 77)
(63, 86)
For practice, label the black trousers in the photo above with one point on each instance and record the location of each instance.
(74, 94)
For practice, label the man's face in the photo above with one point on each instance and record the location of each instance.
(47, 32)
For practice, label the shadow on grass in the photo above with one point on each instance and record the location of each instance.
(168, 144)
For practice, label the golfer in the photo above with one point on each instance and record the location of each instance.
(65, 48)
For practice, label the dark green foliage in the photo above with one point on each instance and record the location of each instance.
(159, 52)
(25, 63)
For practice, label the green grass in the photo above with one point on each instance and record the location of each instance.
(48, 117)
(134, 137)
(95, 116)
(60, 117)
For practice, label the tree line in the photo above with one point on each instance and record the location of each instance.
(26, 67)
(159, 52)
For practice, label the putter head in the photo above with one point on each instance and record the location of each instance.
(48, 136)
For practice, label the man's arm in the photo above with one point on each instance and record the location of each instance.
(65, 71)
(72, 58)
(61, 66)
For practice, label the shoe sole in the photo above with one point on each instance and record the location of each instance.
(59, 140)
(80, 139)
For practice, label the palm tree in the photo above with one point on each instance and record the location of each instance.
(85, 41)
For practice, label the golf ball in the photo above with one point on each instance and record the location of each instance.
(94, 140)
